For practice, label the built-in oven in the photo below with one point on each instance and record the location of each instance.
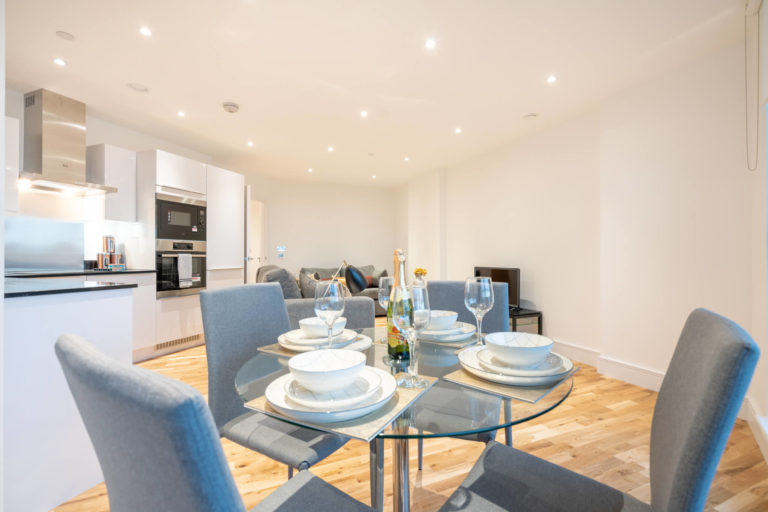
(180, 267)
(180, 217)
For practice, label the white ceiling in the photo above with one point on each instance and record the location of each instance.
(303, 70)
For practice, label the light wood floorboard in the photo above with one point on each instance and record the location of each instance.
(602, 430)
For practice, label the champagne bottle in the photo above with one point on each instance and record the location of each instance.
(397, 346)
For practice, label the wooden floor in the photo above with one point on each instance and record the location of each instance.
(602, 430)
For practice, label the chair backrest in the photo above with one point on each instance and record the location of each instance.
(697, 405)
(359, 311)
(154, 436)
(449, 295)
(237, 321)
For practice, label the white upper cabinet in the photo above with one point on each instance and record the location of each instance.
(181, 173)
(11, 164)
(115, 167)
(226, 219)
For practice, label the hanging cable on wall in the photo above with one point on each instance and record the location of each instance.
(752, 13)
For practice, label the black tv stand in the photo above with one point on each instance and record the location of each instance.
(516, 313)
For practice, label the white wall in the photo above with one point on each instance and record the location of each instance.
(322, 225)
(674, 207)
(622, 220)
(424, 247)
(534, 205)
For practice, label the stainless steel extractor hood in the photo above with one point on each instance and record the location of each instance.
(54, 145)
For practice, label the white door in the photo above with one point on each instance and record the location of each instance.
(255, 256)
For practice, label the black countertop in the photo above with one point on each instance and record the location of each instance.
(61, 273)
(15, 287)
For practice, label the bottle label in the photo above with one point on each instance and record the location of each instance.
(397, 344)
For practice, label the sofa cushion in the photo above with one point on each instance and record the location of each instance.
(322, 273)
(307, 283)
(286, 280)
(367, 270)
(376, 275)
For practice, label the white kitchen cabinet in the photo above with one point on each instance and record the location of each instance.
(178, 319)
(179, 172)
(226, 219)
(143, 305)
(224, 278)
(115, 167)
(11, 164)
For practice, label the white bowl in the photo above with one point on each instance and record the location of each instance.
(315, 327)
(327, 369)
(518, 348)
(441, 320)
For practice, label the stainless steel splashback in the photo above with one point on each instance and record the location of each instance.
(33, 244)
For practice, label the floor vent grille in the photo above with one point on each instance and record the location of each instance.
(177, 341)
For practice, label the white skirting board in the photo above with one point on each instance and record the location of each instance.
(651, 379)
(758, 424)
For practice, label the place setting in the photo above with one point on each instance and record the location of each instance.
(324, 331)
(514, 364)
(334, 390)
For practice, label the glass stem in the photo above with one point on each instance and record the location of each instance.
(479, 320)
(330, 332)
(412, 353)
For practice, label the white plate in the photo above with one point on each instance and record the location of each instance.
(554, 364)
(361, 343)
(299, 337)
(365, 385)
(275, 395)
(460, 331)
(468, 360)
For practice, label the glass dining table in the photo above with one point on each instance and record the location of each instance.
(446, 409)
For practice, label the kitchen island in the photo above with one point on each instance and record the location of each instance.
(44, 437)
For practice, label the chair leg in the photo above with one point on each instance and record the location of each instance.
(290, 472)
(421, 449)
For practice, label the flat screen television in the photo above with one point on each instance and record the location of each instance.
(511, 276)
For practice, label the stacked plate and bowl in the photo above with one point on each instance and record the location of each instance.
(313, 334)
(443, 328)
(516, 358)
(330, 385)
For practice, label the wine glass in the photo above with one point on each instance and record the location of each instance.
(478, 297)
(329, 304)
(410, 314)
(385, 289)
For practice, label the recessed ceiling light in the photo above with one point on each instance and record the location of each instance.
(145, 31)
(551, 79)
(330, 149)
(59, 62)
(407, 159)
(309, 171)
(180, 113)
(373, 177)
(250, 143)
(531, 116)
(430, 44)
(457, 131)
(65, 35)
(138, 87)
(363, 113)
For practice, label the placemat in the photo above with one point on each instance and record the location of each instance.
(277, 350)
(364, 428)
(531, 394)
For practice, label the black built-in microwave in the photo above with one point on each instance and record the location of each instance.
(180, 218)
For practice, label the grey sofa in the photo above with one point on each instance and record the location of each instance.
(305, 287)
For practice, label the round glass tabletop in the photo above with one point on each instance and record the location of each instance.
(445, 409)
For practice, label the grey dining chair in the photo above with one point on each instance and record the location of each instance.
(697, 405)
(237, 321)
(359, 311)
(158, 446)
(449, 296)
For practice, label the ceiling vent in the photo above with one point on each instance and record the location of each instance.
(231, 107)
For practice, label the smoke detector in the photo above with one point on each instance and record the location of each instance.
(231, 107)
